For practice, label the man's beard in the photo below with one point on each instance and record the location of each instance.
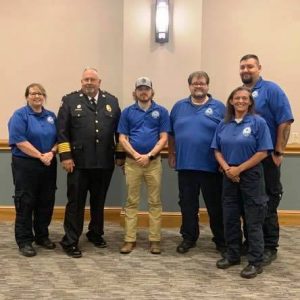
(247, 80)
(89, 91)
(199, 96)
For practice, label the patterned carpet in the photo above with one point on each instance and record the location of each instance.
(106, 274)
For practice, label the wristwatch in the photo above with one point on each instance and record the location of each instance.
(278, 153)
(151, 156)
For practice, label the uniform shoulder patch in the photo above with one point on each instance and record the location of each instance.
(72, 93)
(107, 94)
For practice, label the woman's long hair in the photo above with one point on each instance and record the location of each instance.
(230, 112)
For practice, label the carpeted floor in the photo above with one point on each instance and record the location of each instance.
(106, 274)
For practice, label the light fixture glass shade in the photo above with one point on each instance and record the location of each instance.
(162, 21)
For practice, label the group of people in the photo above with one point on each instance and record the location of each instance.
(231, 154)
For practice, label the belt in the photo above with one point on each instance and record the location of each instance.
(130, 156)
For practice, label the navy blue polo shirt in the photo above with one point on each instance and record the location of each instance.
(143, 128)
(272, 104)
(39, 129)
(193, 127)
(240, 141)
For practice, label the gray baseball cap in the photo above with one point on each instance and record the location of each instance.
(143, 81)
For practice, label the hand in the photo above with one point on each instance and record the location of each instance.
(46, 158)
(232, 172)
(277, 159)
(172, 160)
(68, 165)
(235, 179)
(143, 160)
(120, 162)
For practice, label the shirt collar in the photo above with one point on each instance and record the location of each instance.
(153, 106)
(189, 99)
(44, 112)
(258, 84)
(96, 97)
(245, 119)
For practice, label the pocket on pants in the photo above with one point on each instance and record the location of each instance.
(18, 199)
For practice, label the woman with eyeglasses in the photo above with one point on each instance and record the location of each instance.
(241, 141)
(32, 137)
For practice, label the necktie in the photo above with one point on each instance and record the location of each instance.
(93, 102)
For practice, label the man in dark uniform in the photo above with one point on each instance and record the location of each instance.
(87, 123)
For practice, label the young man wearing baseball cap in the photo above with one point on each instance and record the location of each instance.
(143, 130)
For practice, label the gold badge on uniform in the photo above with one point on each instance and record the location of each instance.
(108, 107)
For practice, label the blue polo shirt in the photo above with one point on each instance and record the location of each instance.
(143, 128)
(272, 104)
(193, 127)
(240, 141)
(39, 129)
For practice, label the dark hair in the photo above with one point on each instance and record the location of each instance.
(39, 86)
(248, 56)
(198, 74)
(230, 112)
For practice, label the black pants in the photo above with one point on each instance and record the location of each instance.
(246, 198)
(80, 182)
(35, 186)
(274, 192)
(190, 183)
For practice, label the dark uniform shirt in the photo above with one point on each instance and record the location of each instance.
(87, 132)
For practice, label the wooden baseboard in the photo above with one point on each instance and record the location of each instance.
(169, 219)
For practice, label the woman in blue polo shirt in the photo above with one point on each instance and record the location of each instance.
(32, 137)
(241, 141)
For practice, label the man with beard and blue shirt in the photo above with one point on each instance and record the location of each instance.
(193, 124)
(273, 105)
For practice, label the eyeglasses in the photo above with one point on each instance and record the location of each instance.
(36, 94)
(198, 84)
(87, 80)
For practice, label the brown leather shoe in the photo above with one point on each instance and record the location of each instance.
(127, 247)
(155, 247)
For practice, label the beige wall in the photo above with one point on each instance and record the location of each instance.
(168, 65)
(51, 41)
(268, 28)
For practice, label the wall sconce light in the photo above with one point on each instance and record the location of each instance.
(162, 21)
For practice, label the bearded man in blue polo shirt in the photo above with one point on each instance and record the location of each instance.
(273, 105)
(143, 129)
(193, 124)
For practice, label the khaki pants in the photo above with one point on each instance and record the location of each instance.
(134, 177)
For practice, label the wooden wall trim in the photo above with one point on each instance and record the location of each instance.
(169, 219)
(291, 149)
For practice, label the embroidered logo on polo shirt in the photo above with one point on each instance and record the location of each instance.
(209, 111)
(247, 131)
(254, 94)
(155, 114)
(50, 120)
